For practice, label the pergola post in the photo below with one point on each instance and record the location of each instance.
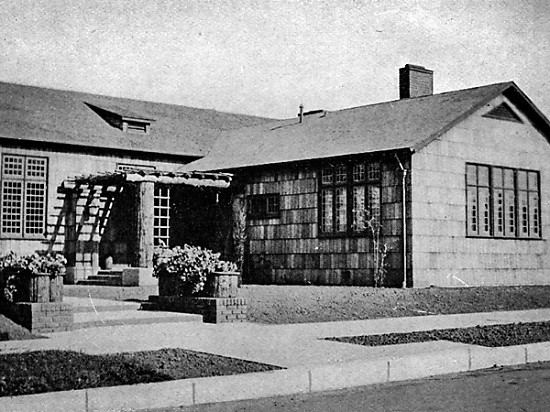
(143, 257)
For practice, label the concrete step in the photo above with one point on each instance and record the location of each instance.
(130, 317)
(113, 272)
(104, 279)
(101, 305)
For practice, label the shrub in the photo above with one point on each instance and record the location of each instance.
(190, 264)
(380, 252)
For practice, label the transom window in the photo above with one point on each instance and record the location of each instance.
(349, 197)
(23, 195)
(502, 202)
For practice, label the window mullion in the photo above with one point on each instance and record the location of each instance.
(516, 202)
(491, 205)
(349, 199)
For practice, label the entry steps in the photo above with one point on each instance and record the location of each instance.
(111, 277)
(91, 312)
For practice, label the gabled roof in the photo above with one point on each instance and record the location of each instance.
(402, 124)
(63, 117)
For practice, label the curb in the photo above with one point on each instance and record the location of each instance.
(188, 392)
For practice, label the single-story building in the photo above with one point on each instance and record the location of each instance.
(96, 177)
(456, 183)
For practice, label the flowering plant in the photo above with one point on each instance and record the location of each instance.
(226, 266)
(14, 269)
(191, 264)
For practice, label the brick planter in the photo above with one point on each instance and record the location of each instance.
(220, 303)
(43, 317)
(38, 304)
(213, 310)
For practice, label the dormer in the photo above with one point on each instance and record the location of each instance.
(123, 119)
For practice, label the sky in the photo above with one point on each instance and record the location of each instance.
(267, 57)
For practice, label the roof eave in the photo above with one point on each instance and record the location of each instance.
(542, 123)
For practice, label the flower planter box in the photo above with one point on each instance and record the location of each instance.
(42, 288)
(222, 285)
(35, 287)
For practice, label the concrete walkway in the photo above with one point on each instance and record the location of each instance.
(312, 363)
(295, 345)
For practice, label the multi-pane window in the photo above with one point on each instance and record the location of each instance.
(350, 195)
(23, 195)
(161, 212)
(502, 202)
(264, 206)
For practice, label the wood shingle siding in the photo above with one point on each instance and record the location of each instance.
(290, 250)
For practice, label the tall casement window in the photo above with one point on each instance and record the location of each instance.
(502, 202)
(161, 213)
(23, 196)
(349, 196)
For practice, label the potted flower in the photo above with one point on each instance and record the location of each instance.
(183, 270)
(32, 278)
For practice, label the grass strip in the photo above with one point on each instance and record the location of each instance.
(490, 336)
(54, 370)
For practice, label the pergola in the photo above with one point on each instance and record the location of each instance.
(88, 200)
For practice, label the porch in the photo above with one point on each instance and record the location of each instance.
(113, 221)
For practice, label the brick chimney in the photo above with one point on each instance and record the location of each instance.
(415, 81)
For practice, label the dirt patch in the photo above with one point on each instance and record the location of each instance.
(47, 371)
(491, 336)
(300, 304)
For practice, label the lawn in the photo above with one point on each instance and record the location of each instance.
(301, 304)
(47, 371)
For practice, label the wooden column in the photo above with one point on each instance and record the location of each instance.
(71, 199)
(143, 249)
(238, 207)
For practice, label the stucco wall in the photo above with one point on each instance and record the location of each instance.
(62, 165)
(442, 254)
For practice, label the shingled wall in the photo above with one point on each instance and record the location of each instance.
(289, 250)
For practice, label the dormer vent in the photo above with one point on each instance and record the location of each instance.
(135, 125)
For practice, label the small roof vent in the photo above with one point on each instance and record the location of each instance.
(503, 112)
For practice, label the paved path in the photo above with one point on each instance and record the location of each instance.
(313, 365)
(296, 345)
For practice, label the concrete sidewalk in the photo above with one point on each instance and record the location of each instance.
(299, 347)
(295, 345)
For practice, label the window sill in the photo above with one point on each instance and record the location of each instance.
(504, 238)
(345, 235)
(264, 217)
(11, 237)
